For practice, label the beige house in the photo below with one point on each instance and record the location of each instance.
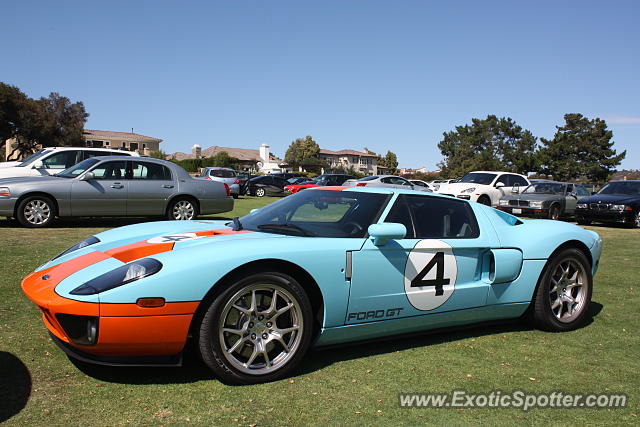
(127, 141)
(260, 160)
(362, 161)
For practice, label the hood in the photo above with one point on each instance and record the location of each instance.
(457, 186)
(611, 198)
(137, 241)
(8, 164)
(32, 179)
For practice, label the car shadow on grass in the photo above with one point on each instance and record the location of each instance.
(194, 370)
(15, 385)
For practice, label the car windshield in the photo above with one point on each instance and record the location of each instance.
(318, 213)
(222, 173)
(627, 188)
(544, 188)
(478, 178)
(76, 170)
(33, 157)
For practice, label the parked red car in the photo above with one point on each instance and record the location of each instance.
(320, 181)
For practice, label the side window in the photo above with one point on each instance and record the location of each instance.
(386, 180)
(519, 181)
(582, 191)
(110, 170)
(504, 179)
(440, 218)
(569, 189)
(400, 214)
(400, 181)
(62, 160)
(149, 171)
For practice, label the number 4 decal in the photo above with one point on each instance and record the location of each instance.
(439, 281)
(430, 274)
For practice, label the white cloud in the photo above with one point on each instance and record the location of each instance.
(622, 120)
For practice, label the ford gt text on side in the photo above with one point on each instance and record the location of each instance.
(321, 267)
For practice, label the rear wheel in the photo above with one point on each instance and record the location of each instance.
(36, 212)
(182, 209)
(260, 192)
(554, 212)
(484, 200)
(563, 294)
(636, 220)
(257, 330)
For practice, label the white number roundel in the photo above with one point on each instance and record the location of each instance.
(430, 274)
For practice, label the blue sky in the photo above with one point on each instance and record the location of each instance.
(388, 75)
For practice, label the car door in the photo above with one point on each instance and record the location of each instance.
(150, 187)
(57, 162)
(441, 265)
(105, 194)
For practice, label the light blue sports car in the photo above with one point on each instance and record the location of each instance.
(321, 267)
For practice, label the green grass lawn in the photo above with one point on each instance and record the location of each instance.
(354, 384)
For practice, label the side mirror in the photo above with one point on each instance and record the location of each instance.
(38, 164)
(499, 184)
(574, 194)
(88, 176)
(382, 233)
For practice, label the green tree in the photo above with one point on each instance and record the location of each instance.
(391, 162)
(490, 144)
(580, 148)
(48, 122)
(303, 152)
(158, 154)
(223, 160)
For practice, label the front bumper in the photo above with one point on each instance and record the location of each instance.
(618, 217)
(123, 330)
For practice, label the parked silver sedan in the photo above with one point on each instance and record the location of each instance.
(390, 181)
(112, 186)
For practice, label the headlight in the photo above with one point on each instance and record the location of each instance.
(581, 206)
(86, 242)
(537, 204)
(4, 192)
(120, 276)
(504, 203)
(468, 190)
(617, 208)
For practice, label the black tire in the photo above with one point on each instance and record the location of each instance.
(583, 221)
(554, 212)
(542, 313)
(484, 200)
(182, 208)
(36, 212)
(636, 220)
(235, 196)
(255, 330)
(260, 192)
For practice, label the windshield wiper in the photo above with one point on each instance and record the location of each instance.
(237, 225)
(286, 229)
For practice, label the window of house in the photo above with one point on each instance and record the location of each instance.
(133, 146)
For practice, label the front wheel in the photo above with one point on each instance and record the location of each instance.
(260, 192)
(636, 220)
(554, 212)
(563, 294)
(182, 209)
(484, 200)
(257, 330)
(36, 212)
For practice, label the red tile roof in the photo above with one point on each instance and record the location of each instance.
(129, 136)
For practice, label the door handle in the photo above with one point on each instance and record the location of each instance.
(167, 186)
(116, 185)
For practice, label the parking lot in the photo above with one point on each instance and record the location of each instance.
(353, 384)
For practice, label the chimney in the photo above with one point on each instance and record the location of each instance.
(264, 153)
(196, 150)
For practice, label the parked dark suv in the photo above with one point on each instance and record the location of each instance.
(617, 202)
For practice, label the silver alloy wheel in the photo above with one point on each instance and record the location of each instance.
(183, 210)
(260, 192)
(637, 219)
(37, 212)
(260, 329)
(568, 291)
